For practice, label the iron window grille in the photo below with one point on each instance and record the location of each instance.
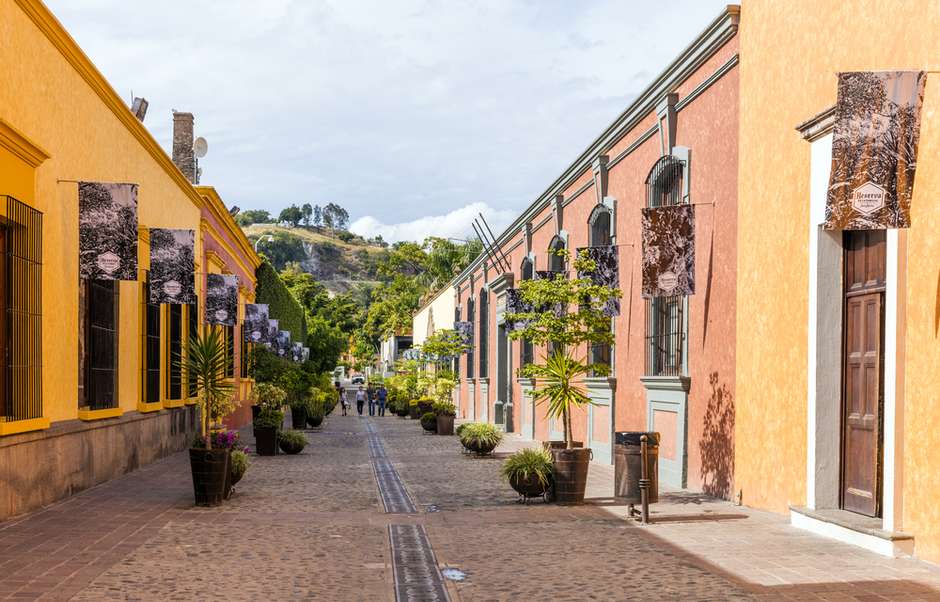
(21, 323)
(471, 317)
(229, 351)
(456, 362)
(599, 223)
(665, 319)
(100, 307)
(191, 331)
(484, 333)
(174, 351)
(151, 344)
(528, 350)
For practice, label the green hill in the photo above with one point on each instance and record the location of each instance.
(339, 264)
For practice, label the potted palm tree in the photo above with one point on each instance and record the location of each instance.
(206, 365)
(566, 314)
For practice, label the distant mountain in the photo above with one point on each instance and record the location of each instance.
(339, 264)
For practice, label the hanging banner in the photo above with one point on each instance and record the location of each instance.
(221, 299)
(270, 341)
(874, 150)
(283, 342)
(668, 251)
(306, 355)
(107, 231)
(297, 352)
(465, 330)
(172, 266)
(606, 273)
(515, 304)
(546, 274)
(255, 326)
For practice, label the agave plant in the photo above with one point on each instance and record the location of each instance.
(526, 463)
(206, 364)
(480, 437)
(561, 391)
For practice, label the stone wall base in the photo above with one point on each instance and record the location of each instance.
(41, 467)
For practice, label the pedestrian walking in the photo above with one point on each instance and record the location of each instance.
(370, 393)
(360, 399)
(382, 396)
(342, 398)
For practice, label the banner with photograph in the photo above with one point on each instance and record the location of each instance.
(283, 342)
(306, 355)
(172, 266)
(606, 272)
(465, 330)
(255, 326)
(668, 251)
(297, 352)
(874, 150)
(107, 231)
(221, 299)
(270, 341)
(515, 304)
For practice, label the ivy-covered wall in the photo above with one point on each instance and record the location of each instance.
(282, 304)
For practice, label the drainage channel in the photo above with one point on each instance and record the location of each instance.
(417, 577)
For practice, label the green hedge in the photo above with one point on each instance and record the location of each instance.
(283, 306)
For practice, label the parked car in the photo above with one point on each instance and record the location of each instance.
(358, 380)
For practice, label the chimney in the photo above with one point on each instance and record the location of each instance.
(183, 145)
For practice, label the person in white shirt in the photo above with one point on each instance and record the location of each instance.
(360, 399)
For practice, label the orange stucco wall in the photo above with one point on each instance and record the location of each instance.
(791, 53)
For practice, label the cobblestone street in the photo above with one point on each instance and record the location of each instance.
(314, 526)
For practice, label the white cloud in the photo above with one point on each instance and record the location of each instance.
(455, 224)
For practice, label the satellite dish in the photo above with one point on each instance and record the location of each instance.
(200, 147)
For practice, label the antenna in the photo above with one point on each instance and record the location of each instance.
(498, 249)
(200, 147)
(486, 245)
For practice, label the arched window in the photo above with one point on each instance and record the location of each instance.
(526, 273)
(556, 262)
(665, 323)
(599, 223)
(484, 333)
(470, 318)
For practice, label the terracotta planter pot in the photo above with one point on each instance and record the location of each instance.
(445, 425)
(530, 487)
(570, 474)
(314, 421)
(298, 418)
(211, 478)
(266, 441)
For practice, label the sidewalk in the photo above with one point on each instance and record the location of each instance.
(762, 550)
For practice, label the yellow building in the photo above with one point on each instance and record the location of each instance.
(60, 123)
(792, 452)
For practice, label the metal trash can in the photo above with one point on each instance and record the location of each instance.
(628, 463)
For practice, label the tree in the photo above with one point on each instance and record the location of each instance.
(291, 216)
(282, 248)
(306, 211)
(317, 216)
(551, 321)
(253, 216)
(335, 217)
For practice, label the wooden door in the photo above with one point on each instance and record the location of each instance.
(863, 373)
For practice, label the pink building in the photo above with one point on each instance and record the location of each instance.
(672, 365)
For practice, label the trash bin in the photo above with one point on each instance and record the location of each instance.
(628, 463)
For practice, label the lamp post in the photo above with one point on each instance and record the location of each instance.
(260, 238)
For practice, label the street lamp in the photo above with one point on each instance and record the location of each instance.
(260, 238)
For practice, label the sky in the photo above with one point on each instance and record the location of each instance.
(414, 115)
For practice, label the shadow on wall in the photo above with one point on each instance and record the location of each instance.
(717, 446)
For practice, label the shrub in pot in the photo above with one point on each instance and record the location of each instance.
(291, 442)
(480, 438)
(238, 464)
(267, 424)
(414, 412)
(445, 412)
(206, 365)
(298, 413)
(316, 407)
(429, 421)
(529, 472)
(425, 405)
